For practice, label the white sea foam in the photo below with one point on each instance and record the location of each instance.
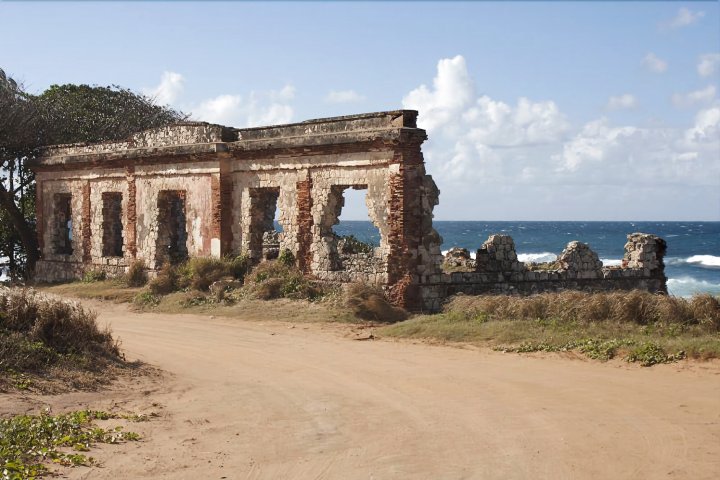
(710, 261)
(611, 262)
(687, 286)
(537, 257)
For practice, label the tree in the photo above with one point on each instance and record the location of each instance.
(61, 114)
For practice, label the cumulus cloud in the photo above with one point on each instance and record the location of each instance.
(705, 133)
(653, 63)
(621, 102)
(702, 96)
(524, 156)
(683, 18)
(168, 90)
(478, 138)
(343, 96)
(708, 64)
(259, 108)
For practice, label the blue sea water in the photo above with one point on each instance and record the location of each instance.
(692, 261)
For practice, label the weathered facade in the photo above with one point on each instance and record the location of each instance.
(197, 189)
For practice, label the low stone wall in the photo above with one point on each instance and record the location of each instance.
(498, 271)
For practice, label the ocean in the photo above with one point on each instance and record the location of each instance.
(692, 261)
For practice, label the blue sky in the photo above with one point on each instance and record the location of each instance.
(536, 111)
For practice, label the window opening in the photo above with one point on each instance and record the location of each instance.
(172, 227)
(265, 231)
(62, 238)
(112, 224)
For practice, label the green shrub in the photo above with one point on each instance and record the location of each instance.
(368, 302)
(350, 244)
(94, 276)
(273, 279)
(286, 258)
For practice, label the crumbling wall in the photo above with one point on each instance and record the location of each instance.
(498, 270)
(229, 183)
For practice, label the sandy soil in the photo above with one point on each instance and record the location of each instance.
(250, 400)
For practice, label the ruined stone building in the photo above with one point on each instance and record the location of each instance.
(198, 189)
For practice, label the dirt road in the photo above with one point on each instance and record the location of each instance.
(248, 400)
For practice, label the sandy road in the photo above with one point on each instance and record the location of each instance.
(245, 400)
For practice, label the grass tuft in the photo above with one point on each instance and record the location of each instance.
(368, 302)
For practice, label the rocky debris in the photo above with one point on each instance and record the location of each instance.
(458, 257)
(271, 245)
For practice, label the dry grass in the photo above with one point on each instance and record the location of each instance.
(368, 302)
(39, 334)
(552, 321)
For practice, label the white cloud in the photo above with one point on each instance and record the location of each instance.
(708, 64)
(705, 133)
(703, 96)
(167, 91)
(260, 108)
(684, 17)
(622, 102)
(653, 63)
(343, 96)
(493, 158)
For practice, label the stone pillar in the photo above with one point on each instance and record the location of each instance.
(216, 215)
(647, 251)
(131, 230)
(40, 217)
(305, 224)
(86, 222)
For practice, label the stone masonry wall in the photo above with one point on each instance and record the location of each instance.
(498, 271)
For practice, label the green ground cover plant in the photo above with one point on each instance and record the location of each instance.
(29, 442)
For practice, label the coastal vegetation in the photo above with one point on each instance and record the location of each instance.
(61, 114)
(29, 442)
(634, 325)
(48, 344)
(638, 326)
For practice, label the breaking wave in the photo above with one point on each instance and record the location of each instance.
(537, 257)
(687, 286)
(709, 261)
(611, 262)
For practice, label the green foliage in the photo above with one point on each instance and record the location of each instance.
(27, 441)
(273, 279)
(62, 114)
(198, 273)
(649, 354)
(84, 113)
(146, 299)
(94, 276)
(350, 244)
(286, 258)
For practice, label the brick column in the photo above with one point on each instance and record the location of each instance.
(86, 221)
(305, 224)
(130, 231)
